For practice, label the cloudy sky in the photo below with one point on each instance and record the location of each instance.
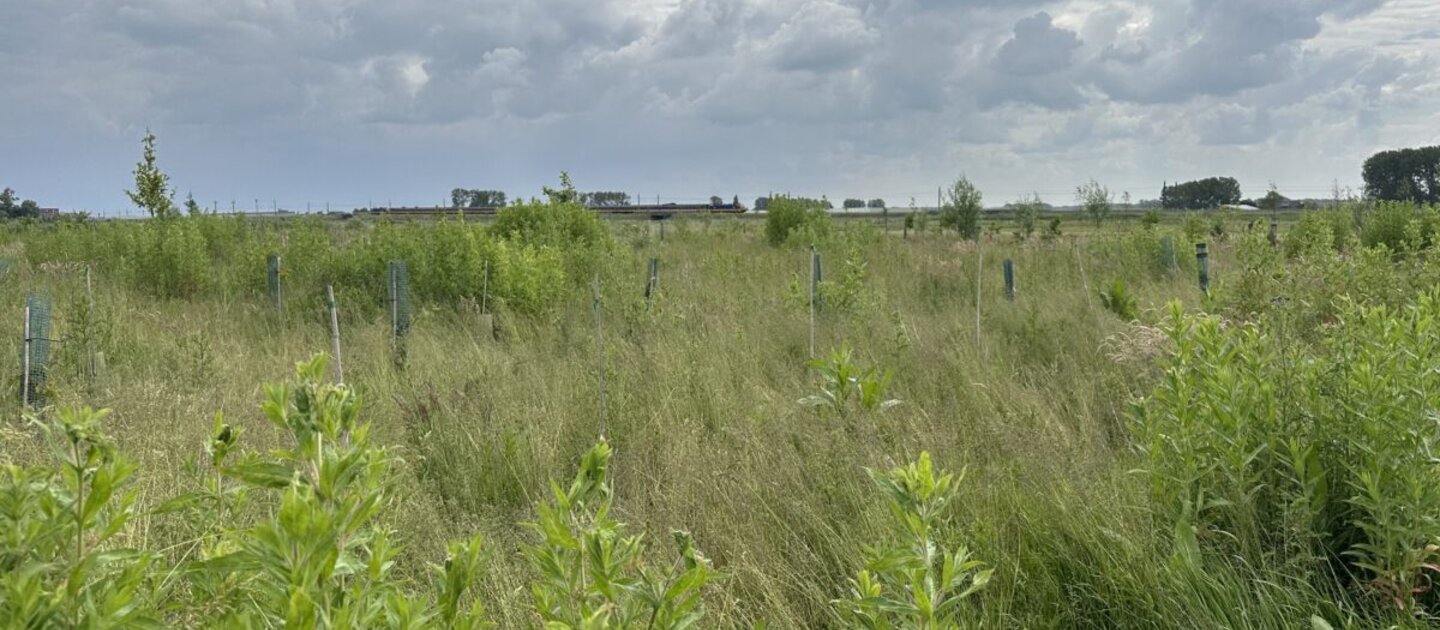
(388, 101)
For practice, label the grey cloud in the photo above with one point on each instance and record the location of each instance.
(287, 94)
(1037, 48)
(1231, 124)
(822, 36)
(1033, 67)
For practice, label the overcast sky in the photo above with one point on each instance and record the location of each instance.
(391, 101)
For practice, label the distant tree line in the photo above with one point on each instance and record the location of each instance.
(1404, 175)
(763, 203)
(1211, 192)
(474, 198)
(605, 199)
(873, 204)
(12, 208)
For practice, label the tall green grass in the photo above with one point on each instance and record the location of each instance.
(1059, 498)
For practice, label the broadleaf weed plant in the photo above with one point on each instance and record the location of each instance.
(592, 572)
(845, 385)
(915, 583)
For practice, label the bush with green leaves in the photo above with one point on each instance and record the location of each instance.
(1095, 199)
(1052, 229)
(796, 219)
(1027, 215)
(961, 209)
(172, 258)
(1318, 232)
(62, 560)
(322, 557)
(593, 574)
(1151, 219)
(296, 537)
(1400, 227)
(1142, 250)
(1194, 226)
(844, 294)
(916, 582)
(1119, 300)
(1319, 457)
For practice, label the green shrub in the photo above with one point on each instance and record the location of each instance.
(961, 209)
(916, 583)
(60, 532)
(593, 575)
(564, 225)
(1118, 300)
(1274, 458)
(796, 219)
(1052, 230)
(1400, 227)
(323, 558)
(1316, 233)
(173, 258)
(1194, 227)
(1027, 214)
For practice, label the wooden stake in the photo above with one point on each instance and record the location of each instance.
(394, 309)
(90, 329)
(814, 289)
(485, 291)
(334, 333)
(979, 263)
(600, 354)
(1084, 283)
(279, 288)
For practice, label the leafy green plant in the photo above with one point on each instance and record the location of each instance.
(915, 583)
(1095, 199)
(1027, 214)
(849, 291)
(1194, 227)
(1118, 300)
(1150, 219)
(846, 384)
(961, 208)
(152, 186)
(593, 575)
(1052, 229)
(789, 219)
(1220, 224)
(61, 565)
(1270, 457)
(324, 559)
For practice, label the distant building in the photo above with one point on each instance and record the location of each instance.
(49, 214)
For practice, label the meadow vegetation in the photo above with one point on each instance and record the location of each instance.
(1112, 449)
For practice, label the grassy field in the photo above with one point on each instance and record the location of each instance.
(1032, 398)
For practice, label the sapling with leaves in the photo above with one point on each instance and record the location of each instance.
(593, 574)
(916, 582)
